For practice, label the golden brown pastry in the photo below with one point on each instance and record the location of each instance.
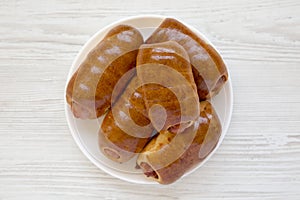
(209, 70)
(90, 88)
(125, 130)
(169, 156)
(169, 89)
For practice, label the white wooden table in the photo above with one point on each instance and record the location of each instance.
(260, 156)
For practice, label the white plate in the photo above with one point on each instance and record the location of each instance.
(85, 132)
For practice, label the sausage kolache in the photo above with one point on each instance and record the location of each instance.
(169, 156)
(209, 70)
(89, 89)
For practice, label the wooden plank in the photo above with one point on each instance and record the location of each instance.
(260, 156)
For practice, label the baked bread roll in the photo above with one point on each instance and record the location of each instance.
(209, 70)
(125, 130)
(169, 89)
(90, 88)
(169, 156)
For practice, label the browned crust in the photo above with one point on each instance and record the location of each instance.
(176, 58)
(206, 139)
(203, 90)
(111, 136)
(120, 138)
(93, 104)
(178, 62)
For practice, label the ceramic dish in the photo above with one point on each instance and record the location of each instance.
(85, 132)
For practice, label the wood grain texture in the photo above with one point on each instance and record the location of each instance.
(260, 156)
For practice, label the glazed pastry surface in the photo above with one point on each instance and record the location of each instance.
(169, 89)
(125, 130)
(169, 156)
(209, 70)
(90, 88)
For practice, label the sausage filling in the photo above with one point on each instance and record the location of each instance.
(180, 127)
(148, 171)
(111, 153)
